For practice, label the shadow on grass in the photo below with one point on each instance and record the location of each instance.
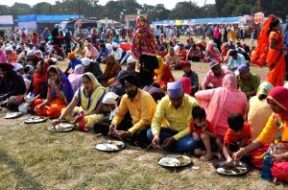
(25, 178)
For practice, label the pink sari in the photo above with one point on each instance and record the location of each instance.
(221, 102)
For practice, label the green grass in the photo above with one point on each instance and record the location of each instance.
(33, 158)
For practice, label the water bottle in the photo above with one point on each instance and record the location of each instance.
(266, 172)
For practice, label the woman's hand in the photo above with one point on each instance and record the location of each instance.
(239, 154)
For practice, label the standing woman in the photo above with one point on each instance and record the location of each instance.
(143, 39)
(270, 51)
(59, 94)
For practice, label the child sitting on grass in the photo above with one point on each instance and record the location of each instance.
(202, 134)
(238, 135)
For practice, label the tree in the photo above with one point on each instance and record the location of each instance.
(42, 8)
(185, 10)
(20, 9)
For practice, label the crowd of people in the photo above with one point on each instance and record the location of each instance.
(126, 90)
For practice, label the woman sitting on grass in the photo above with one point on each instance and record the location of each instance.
(277, 154)
(89, 97)
(59, 94)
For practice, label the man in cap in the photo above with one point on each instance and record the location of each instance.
(93, 68)
(170, 125)
(215, 75)
(116, 52)
(141, 107)
(247, 82)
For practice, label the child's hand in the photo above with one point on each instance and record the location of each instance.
(196, 137)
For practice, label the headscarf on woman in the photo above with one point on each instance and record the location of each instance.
(111, 70)
(163, 73)
(89, 103)
(75, 77)
(186, 84)
(39, 81)
(218, 101)
(63, 83)
(143, 39)
(259, 55)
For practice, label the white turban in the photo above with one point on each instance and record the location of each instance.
(110, 98)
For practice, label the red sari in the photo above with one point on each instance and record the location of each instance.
(276, 61)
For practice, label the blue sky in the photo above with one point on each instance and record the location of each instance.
(169, 4)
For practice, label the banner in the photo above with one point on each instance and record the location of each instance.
(6, 20)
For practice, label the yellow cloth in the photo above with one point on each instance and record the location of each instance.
(90, 117)
(258, 115)
(141, 109)
(275, 124)
(98, 93)
(177, 120)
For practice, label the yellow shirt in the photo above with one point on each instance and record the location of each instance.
(275, 124)
(141, 109)
(258, 115)
(177, 120)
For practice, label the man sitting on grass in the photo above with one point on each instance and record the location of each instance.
(141, 107)
(170, 124)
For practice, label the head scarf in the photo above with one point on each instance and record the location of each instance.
(259, 55)
(71, 55)
(39, 83)
(186, 84)
(75, 77)
(89, 102)
(230, 82)
(110, 98)
(175, 89)
(64, 83)
(279, 96)
(130, 78)
(143, 39)
(264, 88)
(112, 68)
(3, 58)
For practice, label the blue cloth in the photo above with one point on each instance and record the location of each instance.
(73, 63)
(233, 64)
(286, 38)
(65, 87)
(185, 144)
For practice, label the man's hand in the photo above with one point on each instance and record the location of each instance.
(156, 142)
(168, 142)
(123, 135)
(113, 131)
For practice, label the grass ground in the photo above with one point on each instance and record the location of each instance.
(33, 158)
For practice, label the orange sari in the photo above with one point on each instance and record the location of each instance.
(276, 61)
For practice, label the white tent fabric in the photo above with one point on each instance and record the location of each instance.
(6, 20)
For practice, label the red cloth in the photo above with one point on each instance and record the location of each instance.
(280, 170)
(279, 95)
(231, 137)
(186, 84)
(53, 110)
(199, 130)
